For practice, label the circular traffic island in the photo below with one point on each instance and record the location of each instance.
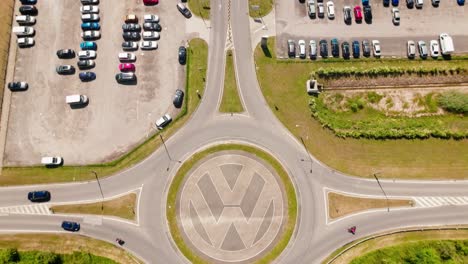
(231, 204)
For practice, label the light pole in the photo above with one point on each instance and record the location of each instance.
(100, 188)
(380, 185)
(199, 11)
(257, 8)
(167, 152)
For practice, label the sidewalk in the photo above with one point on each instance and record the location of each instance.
(265, 26)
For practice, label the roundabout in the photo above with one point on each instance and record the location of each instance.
(228, 204)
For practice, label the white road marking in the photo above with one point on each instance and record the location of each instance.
(440, 201)
(40, 209)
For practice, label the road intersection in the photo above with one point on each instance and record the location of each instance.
(314, 239)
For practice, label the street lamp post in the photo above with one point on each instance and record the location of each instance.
(167, 152)
(100, 188)
(199, 11)
(381, 188)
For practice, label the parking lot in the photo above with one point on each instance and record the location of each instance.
(293, 22)
(118, 116)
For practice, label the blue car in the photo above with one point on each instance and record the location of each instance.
(87, 76)
(395, 2)
(71, 226)
(356, 49)
(90, 26)
(365, 2)
(461, 2)
(88, 45)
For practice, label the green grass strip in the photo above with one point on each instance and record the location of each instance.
(231, 102)
(200, 8)
(264, 8)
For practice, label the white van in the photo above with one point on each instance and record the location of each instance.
(125, 56)
(26, 20)
(23, 31)
(76, 99)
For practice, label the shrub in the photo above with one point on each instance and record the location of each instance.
(374, 97)
(453, 101)
(9, 255)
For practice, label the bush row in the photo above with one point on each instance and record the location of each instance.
(454, 102)
(11, 255)
(331, 73)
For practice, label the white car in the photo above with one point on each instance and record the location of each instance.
(331, 10)
(51, 161)
(90, 34)
(396, 16)
(150, 35)
(302, 49)
(86, 54)
(435, 50)
(376, 48)
(89, 17)
(148, 45)
(25, 42)
(411, 49)
(125, 56)
(163, 121)
(151, 18)
(89, 9)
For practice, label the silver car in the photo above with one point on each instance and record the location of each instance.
(422, 49)
(312, 49)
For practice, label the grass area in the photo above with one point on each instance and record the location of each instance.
(200, 8)
(11, 255)
(340, 205)
(196, 72)
(264, 7)
(231, 102)
(123, 207)
(66, 244)
(6, 9)
(283, 85)
(179, 177)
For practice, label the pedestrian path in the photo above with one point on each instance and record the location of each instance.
(41, 209)
(436, 201)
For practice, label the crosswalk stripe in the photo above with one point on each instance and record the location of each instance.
(455, 200)
(427, 201)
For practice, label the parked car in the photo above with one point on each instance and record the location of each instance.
(90, 17)
(89, 9)
(76, 100)
(435, 50)
(149, 35)
(65, 69)
(151, 18)
(125, 77)
(148, 45)
(330, 10)
(395, 2)
(39, 196)
(88, 45)
(25, 20)
(131, 27)
(435, 3)
(182, 56)
(411, 47)
(150, 2)
(291, 49)
(131, 35)
(312, 49)
(358, 14)
(163, 121)
(386, 2)
(178, 98)
(323, 48)
(422, 49)
(28, 2)
(368, 14)
(25, 42)
(71, 226)
(302, 48)
(376, 48)
(461, 2)
(320, 10)
(23, 31)
(130, 45)
(51, 160)
(127, 67)
(356, 52)
(366, 48)
(396, 16)
(90, 34)
(347, 14)
(17, 86)
(87, 76)
(345, 50)
(152, 26)
(86, 54)
(125, 56)
(28, 10)
(89, 2)
(419, 3)
(311, 8)
(131, 18)
(85, 64)
(335, 47)
(90, 26)
(184, 10)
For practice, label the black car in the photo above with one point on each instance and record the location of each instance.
(182, 55)
(347, 15)
(28, 10)
(85, 64)
(366, 50)
(152, 26)
(386, 2)
(368, 14)
(131, 35)
(131, 27)
(89, 2)
(28, 2)
(345, 50)
(323, 48)
(356, 52)
(335, 47)
(18, 86)
(39, 196)
(178, 98)
(184, 10)
(125, 77)
(65, 69)
(87, 76)
(410, 3)
(71, 226)
(66, 53)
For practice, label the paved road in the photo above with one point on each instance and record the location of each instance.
(314, 238)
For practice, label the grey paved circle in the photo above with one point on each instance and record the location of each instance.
(231, 207)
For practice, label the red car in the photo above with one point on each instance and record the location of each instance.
(150, 2)
(127, 67)
(358, 13)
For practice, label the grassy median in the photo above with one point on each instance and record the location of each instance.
(264, 7)
(195, 81)
(231, 102)
(283, 85)
(200, 8)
